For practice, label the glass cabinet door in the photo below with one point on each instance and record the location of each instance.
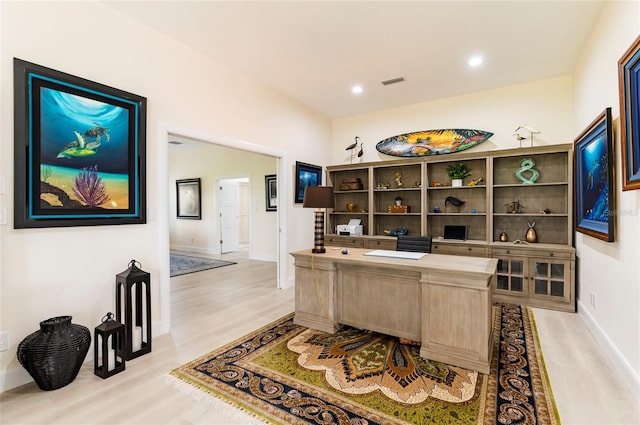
(550, 279)
(511, 278)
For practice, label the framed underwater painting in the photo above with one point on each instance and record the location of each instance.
(306, 175)
(79, 151)
(629, 83)
(594, 191)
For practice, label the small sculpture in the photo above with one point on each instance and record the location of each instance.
(531, 236)
(352, 146)
(436, 209)
(519, 138)
(531, 130)
(400, 231)
(515, 207)
(398, 179)
(503, 236)
(475, 182)
(527, 166)
(453, 201)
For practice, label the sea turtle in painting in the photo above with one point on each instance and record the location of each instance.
(97, 133)
(79, 147)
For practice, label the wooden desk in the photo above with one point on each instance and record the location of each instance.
(443, 301)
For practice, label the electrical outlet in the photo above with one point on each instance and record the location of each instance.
(4, 341)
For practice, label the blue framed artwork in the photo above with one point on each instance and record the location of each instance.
(79, 151)
(306, 175)
(594, 183)
(629, 83)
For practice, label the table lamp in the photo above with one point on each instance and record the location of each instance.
(318, 197)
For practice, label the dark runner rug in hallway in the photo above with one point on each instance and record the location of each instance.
(184, 264)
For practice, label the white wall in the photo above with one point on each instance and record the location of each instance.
(546, 105)
(611, 271)
(70, 271)
(211, 163)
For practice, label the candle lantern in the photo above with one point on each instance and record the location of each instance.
(108, 356)
(133, 309)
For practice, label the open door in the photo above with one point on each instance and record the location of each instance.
(229, 216)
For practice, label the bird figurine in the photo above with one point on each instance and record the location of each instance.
(352, 146)
(531, 130)
(519, 138)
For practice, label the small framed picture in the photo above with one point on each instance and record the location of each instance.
(271, 191)
(306, 175)
(188, 199)
(594, 183)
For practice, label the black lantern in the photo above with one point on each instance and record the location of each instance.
(108, 356)
(133, 296)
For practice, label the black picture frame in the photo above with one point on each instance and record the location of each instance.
(306, 175)
(594, 200)
(79, 151)
(271, 192)
(189, 199)
(629, 83)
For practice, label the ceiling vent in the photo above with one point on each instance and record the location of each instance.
(393, 81)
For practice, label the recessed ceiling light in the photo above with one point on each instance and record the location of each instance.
(356, 89)
(475, 61)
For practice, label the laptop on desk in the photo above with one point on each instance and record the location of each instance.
(455, 232)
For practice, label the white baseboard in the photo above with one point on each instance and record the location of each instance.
(191, 248)
(630, 376)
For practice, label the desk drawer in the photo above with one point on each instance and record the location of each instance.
(345, 241)
(389, 244)
(475, 251)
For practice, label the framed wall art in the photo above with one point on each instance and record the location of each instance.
(271, 191)
(594, 191)
(306, 175)
(629, 83)
(188, 202)
(79, 151)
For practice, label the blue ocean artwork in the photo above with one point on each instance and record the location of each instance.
(593, 178)
(84, 151)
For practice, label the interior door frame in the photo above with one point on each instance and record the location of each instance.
(161, 213)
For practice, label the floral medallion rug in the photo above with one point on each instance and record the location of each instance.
(289, 374)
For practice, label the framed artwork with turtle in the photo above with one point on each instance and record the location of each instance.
(80, 150)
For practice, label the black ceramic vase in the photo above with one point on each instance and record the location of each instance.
(53, 355)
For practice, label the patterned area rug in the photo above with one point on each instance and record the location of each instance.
(288, 374)
(184, 264)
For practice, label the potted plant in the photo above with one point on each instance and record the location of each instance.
(457, 172)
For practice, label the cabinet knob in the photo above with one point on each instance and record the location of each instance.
(469, 249)
(508, 252)
(551, 255)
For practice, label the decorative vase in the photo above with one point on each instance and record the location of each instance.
(53, 355)
(531, 236)
(456, 183)
(504, 237)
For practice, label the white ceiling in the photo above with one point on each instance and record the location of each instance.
(314, 51)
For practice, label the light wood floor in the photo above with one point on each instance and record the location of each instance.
(212, 308)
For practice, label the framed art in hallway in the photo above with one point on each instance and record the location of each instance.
(594, 183)
(629, 83)
(79, 151)
(271, 191)
(306, 175)
(188, 202)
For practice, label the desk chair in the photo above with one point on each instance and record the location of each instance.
(414, 243)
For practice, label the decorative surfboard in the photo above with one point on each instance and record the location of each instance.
(432, 142)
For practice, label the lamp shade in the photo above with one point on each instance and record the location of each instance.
(318, 197)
